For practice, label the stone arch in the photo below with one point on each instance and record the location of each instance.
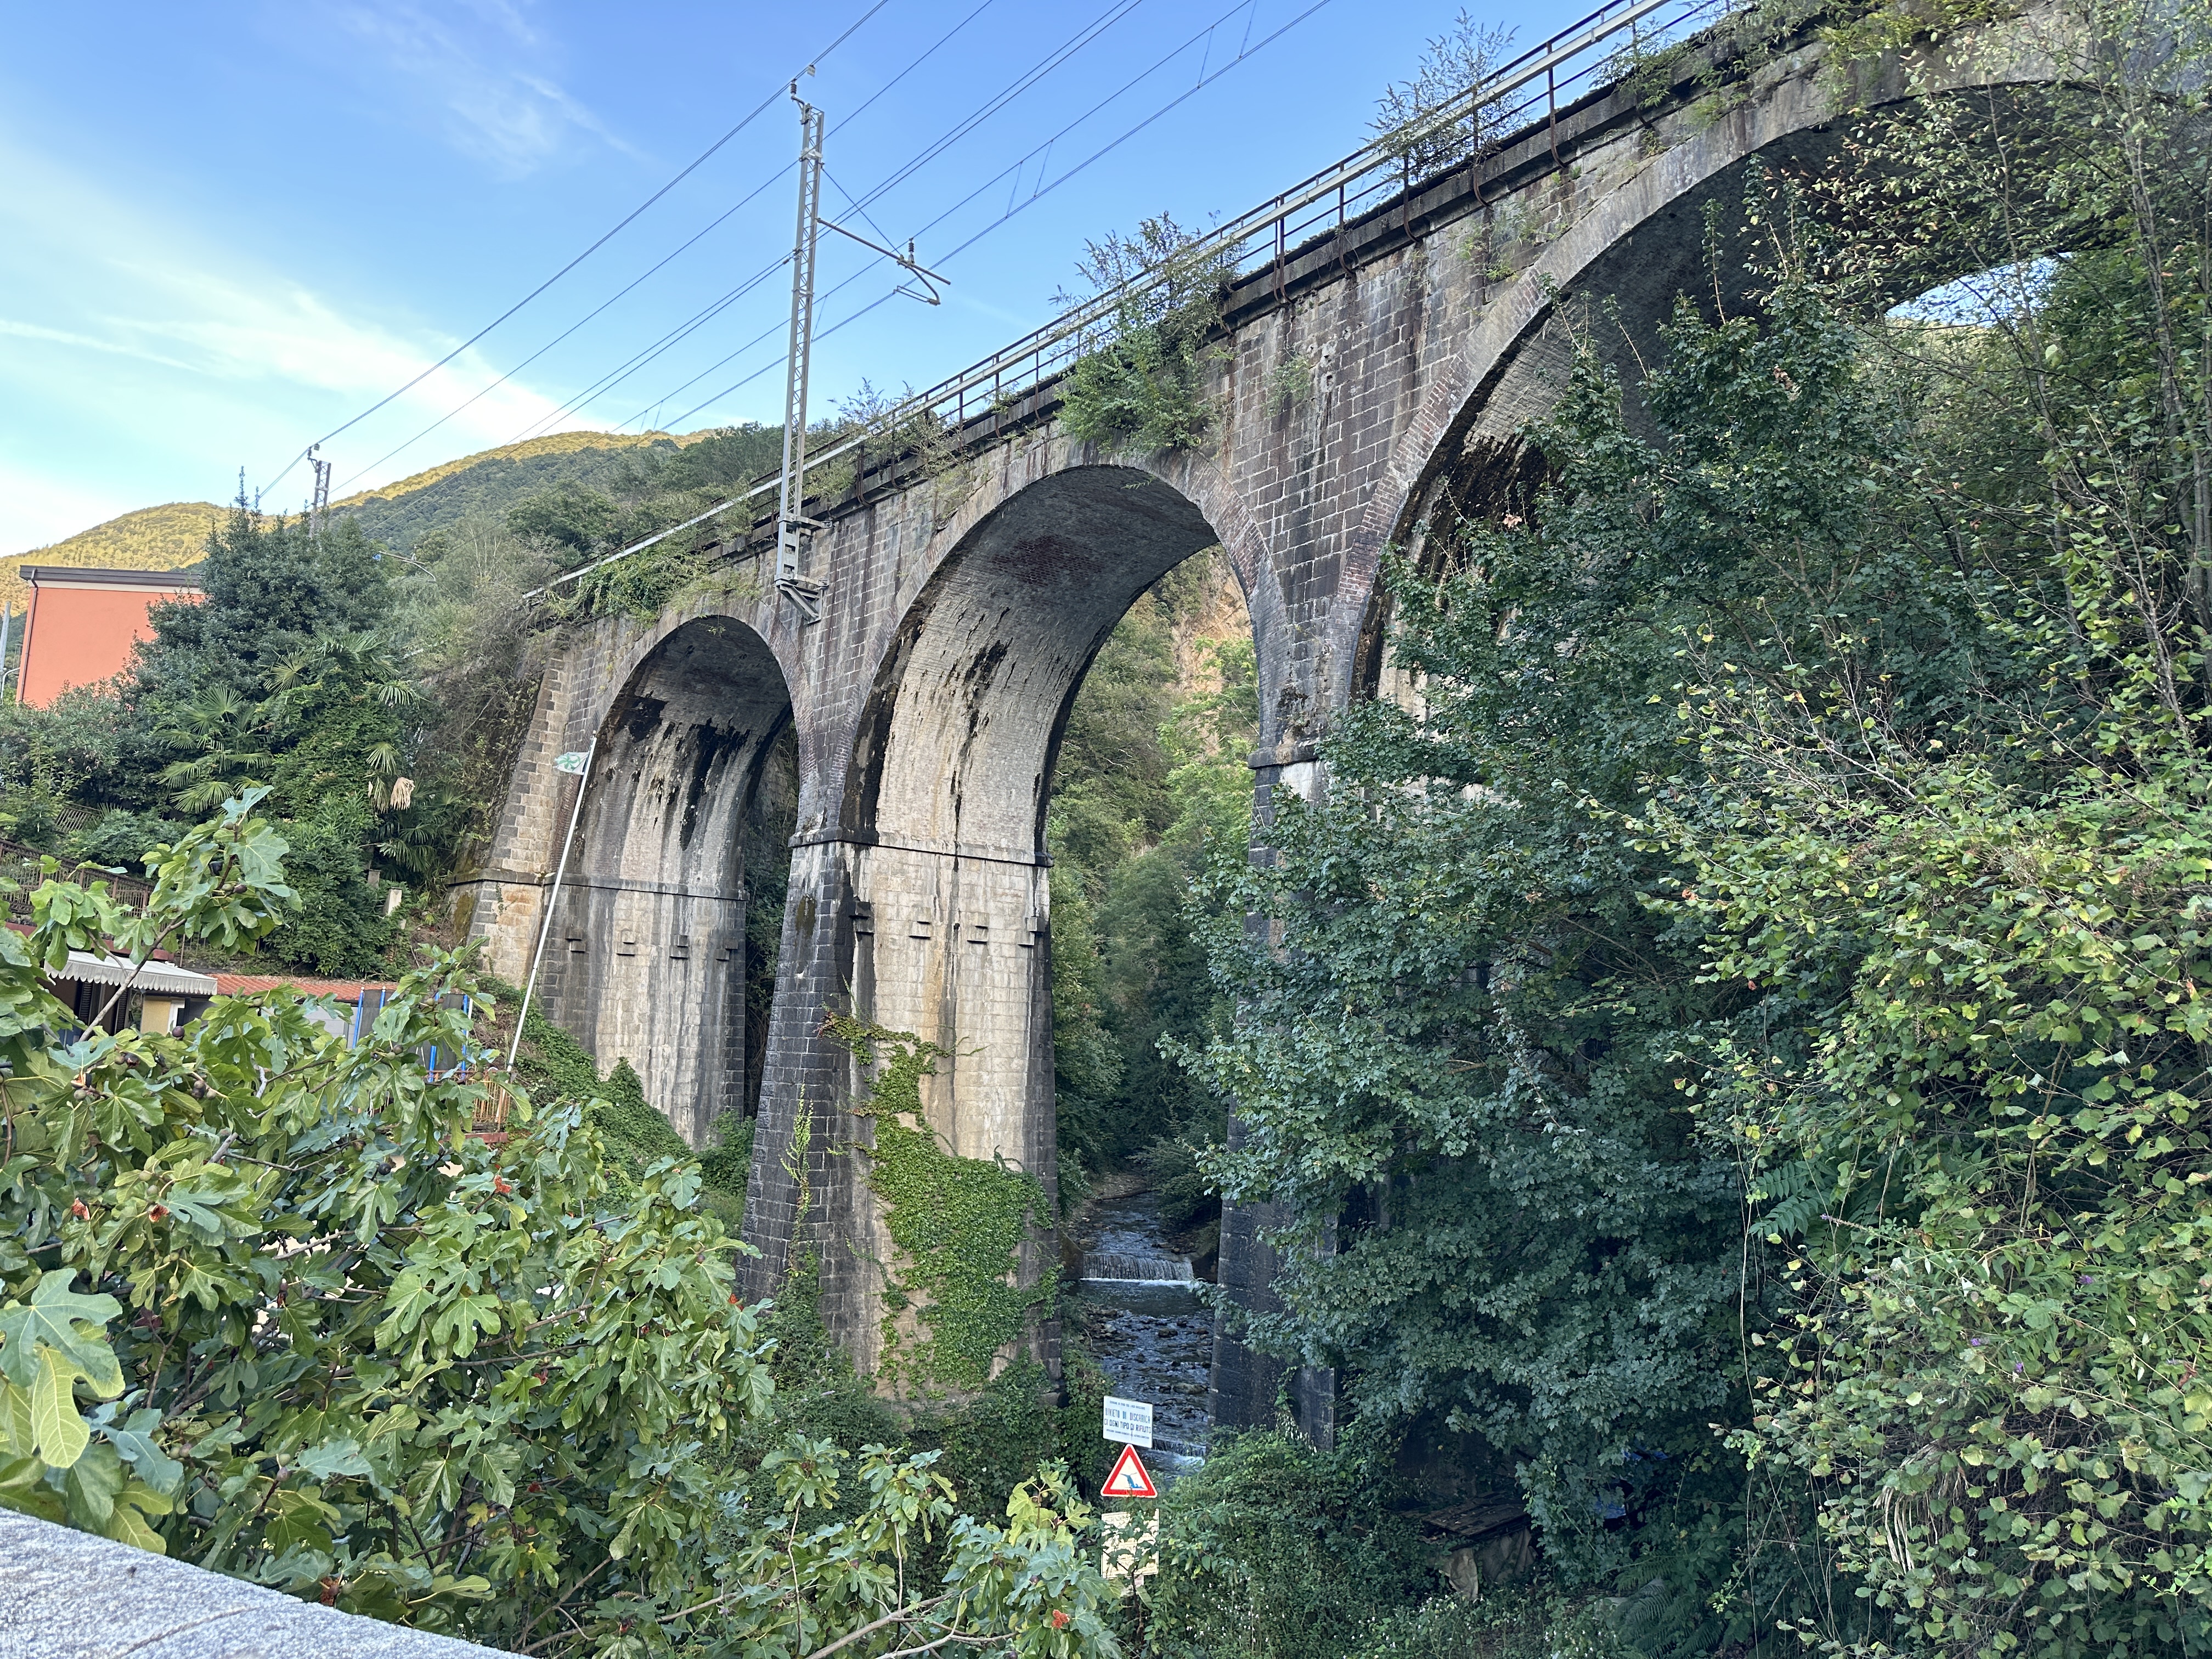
(1635, 250)
(957, 735)
(953, 761)
(931, 912)
(656, 955)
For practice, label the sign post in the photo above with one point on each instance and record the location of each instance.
(578, 763)
(1127, 1555)
(1130, 1554)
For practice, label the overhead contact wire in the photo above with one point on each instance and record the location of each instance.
(638, 360)
(1022, 82)
(714, 224)
(696, 164)
(1034, 197)
(1563, 47)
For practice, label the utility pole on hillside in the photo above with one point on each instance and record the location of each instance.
(792, 528)
(319, 508)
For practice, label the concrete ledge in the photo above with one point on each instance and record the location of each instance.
(67, 1594)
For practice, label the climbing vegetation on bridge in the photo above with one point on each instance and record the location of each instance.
(1867, 30)
(1751, 36)
(1141, 382)
(1410, 120)
(952, 1296)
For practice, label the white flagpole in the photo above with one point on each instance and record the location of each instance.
(552, 898)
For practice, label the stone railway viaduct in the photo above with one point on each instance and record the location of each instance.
(897, 754)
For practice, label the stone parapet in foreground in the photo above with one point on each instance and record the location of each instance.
(67, 1594)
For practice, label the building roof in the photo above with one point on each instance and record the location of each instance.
(345, 990)
(86, 575)
(160, 978)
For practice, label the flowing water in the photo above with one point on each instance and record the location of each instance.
(1152, 1336)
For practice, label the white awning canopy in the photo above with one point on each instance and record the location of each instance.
(156, 978)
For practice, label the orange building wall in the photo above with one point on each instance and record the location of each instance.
(82, 635)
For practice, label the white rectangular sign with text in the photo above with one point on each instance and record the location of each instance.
(1129, 1421)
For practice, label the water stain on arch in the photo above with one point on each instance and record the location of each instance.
(692, 798)
(643, 716)
(956, 740)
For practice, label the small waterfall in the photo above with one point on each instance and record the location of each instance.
(1147, 1326)
(1113, 1267)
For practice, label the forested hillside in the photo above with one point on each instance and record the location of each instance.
(152, 539)
(482, 486)
(486, 484)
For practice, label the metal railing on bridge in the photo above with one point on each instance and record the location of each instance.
(1516, 100)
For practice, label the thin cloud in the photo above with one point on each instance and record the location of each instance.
(194, 355)
(512, 115)
(258, 329)
(86, 342)
(578, 114)
(37, 510)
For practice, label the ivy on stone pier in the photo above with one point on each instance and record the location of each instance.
(957, 1223)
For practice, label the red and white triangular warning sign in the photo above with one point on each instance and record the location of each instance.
(1128, 1478)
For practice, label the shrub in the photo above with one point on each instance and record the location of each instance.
(1280, 1551)
(1142, 383)
(327, 1339)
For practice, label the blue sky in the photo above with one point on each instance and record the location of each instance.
(227, 229)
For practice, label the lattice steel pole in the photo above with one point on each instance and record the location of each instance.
(791, 527)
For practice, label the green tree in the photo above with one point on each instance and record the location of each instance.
(268, 587)
(727, 460)
(1454, 1062)
(327, 742)
(266, 1304)
(1279, 1551)
(1756, 987)
(285, 676)
(1986, 1170)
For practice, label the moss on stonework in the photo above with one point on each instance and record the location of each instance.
(956, 1224)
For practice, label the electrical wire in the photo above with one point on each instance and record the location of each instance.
(714, 224)
(1104, 150)
(966, 124)
(991, 106)
(781, 325)
(776, 327)
(854, 115)
(1561, 47)
(822, 334)
(696, 162)
(645, 355)
(1034, 197)
(1059, 55)
(852, 201)
(494, 385)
